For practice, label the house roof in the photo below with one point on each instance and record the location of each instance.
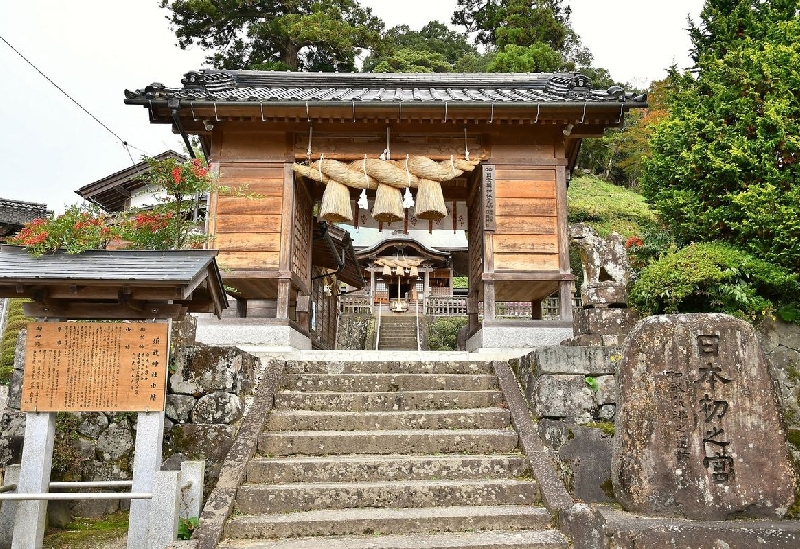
(126, 282)
(14, 214)
(112, 192)
(210, 96)
(269, 86)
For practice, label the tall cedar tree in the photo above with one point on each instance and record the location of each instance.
(519, 22)
(313, 35)
(724, 162)
(434, 48)
(524, 35)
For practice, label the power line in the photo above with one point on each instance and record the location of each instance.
(68, 96)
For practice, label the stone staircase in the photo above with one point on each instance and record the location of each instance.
(398, 332)
(392, 455)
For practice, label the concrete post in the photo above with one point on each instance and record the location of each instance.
(8, 509)
(565, 296)
(146, 463)
(192, 496)
(163, 510)
(34, 478)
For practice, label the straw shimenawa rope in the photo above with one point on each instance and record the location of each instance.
(387, 177)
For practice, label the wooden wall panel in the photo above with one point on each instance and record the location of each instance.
(233, 205)
(255, 146)
(520, 173)
(526, 243)
(525, 189)
(526, 225)
(526, 207)
(250, 170)
(257, 242)
(234, 223)
(254, 261)
(525, 262)
(247, 230)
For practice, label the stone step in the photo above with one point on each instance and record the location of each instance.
(411, 441)
(388, 382)
(365, 468)
(526, 539)
(310, 420)
(286, 498)
(361, 521)
(398, 401)
(391, 366)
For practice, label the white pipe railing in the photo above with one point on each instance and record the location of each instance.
(378, 327)
(416, 304)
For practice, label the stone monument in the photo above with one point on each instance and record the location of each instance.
(698, 429)
(603, 318)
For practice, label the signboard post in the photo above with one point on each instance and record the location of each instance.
(91, 367)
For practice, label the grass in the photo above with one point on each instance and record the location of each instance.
(607, 207)
(85, 533)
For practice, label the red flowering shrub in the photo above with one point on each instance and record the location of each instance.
(77, 229)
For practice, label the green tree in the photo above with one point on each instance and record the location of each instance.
(724, 163)
(537, 57)
(314, 35)
(520, 22)
(411, 60)
(434, 48)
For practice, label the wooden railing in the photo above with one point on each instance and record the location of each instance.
(447, 306)
(457, 306)
(355, 303)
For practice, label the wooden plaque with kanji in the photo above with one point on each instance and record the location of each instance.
(95, 366)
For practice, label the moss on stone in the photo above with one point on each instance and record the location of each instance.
(86, 533)
(606, 426)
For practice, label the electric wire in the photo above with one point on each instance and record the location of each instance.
(68, 96)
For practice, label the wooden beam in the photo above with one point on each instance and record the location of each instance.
(528, 275)
(103, 311)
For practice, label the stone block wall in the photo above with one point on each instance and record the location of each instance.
(355, 332)
(572, 383)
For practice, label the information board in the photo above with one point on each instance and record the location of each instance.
(95, 366)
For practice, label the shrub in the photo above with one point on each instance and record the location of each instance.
(15, 321)
(443, 332)
(713, 277)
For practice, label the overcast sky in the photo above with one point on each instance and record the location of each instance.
(95, 49)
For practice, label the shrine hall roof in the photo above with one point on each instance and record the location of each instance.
(225, 86)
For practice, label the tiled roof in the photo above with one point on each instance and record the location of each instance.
(184, 278)
(421, 88)
(16, 213)
(157, 267)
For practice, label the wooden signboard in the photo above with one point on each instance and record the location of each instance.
(95, 366)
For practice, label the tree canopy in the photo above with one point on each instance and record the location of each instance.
(314, 35)
(724, 164)
(520, 22)
(434, 48)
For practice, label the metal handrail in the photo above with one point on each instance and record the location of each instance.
(66, 496)
(58, 496)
